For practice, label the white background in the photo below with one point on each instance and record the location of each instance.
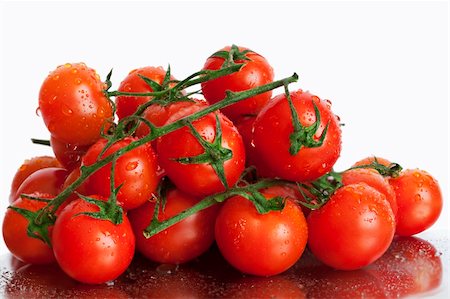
(384, 65)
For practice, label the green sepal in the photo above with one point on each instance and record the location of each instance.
(230, 57)
(155, 86)
(108, 210)
(38, 224)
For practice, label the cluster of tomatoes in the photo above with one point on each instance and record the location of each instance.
(256, 176)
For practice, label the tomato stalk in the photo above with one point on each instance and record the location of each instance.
(46, 216)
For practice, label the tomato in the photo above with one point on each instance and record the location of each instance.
(22, 246)
(69, 155)
(91, 250)
(127, 105)
(374, 179)
(419, 201)
(256, 71)
(73, 105)
(370, 160)
(201, 179)
(260, 244)
(272, 133)
(137, 170)
(181, 242)
(46, 180)
(27, 168)
(353, 229)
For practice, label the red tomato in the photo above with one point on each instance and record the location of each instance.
(27, 168)
(127, 105)
(419, 201)
(201, 179)
(73, 105)
(260, 244)
(137, 170)
(353, 229)
(46, 180)
(370, 160)
(91, 250)
(255, 72)
(69, 155)
(374, 179)
(181, 242)
(272, 132)
(22, 246)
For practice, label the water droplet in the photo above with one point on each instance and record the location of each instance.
(110, 283)
(78, 81)
(38, 111)
(66, 110)
(74, 70)
(167, 268)
(56, 77)
(131, 165)
(53, 99)
(23, 167)
(68, 65)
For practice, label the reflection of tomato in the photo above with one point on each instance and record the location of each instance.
(181, 242)
(22, 246)
(266, 287)
(410, 266)
(353, 229)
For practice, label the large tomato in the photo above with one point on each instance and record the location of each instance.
(201, 179)
(260, 244)
(255, 72)
(353, 229)
(127, 105)
(273, 134)
(137, 170)
(73, 105)
(181, 242)
(419, 201)
(22, 246)
(91, 250)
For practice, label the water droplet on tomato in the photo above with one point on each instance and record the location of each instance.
(23, 167)
(38, 111)
(67, 65)
(66, 110)
(131, 165)
(78, 81)
(56, 77)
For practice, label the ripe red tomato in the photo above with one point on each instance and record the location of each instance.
(181, 242)
(69, 155)
(127, 105)
(419, 201)
(260, 244)
(73, 105)
(255, 72)
(22, 246)
(353, 229)
(374, 179)
(27, 168)
(201, 179)
(91, 250)
(272, 133)
(46, 180)
(137, 170)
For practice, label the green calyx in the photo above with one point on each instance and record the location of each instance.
(392, 170)
(230, 57)
(304, 136)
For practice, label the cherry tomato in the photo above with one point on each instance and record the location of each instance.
(73, 105)
(137, 170)
(46, 180)
(419, 201)
(260, 244)
(27, 168)
(181, 242)
(127, 105)
(273, 130)
(91, 250)
(22, 246)
(69, 155)
(374, 179)
(353, 229)
(201, 179)
(255, 72)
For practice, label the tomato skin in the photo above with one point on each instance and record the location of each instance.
(127, 105)
(260, 244)
(136, 169)
(271, 137)
(27, 168)
(353, 229)
(181, 242)
(201, 179)
(255, 72)
(419, 200)
(374, 179)
(46, 180)
(69, 155)
(22, 246)
(73, 105)
(90, 250)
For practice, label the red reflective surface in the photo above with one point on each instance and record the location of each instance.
(412, 267)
